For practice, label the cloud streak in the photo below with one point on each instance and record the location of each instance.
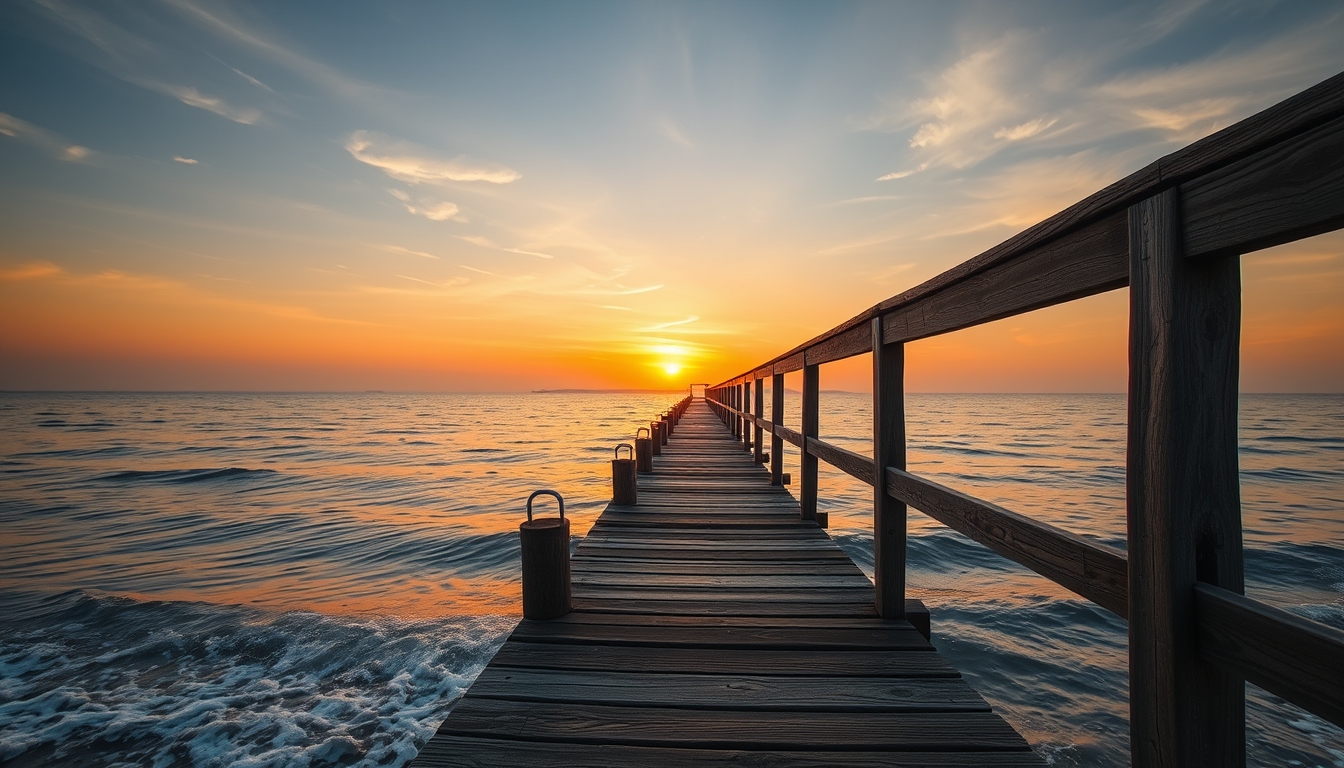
(51, 143)
(413, 164)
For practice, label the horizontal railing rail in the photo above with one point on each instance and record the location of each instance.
(1173, 233)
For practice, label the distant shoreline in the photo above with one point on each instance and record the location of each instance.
(608, 391)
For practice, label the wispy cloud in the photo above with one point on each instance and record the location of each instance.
(53, 144)
(903, 174)
(416, 165)
(407, 251)
(137, 60)
(673, 133)
(665, 326)
(434, 210)
(194, 98)
(184, 160)
(485, 242)
(1025, 130)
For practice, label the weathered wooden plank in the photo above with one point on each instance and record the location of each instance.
(728, 692)
(1094, 570)
(1287, 655)
(855, 465)
(585, 565)
(462, 752)
(717, 581)
(789, 364)
(784, 433)
(1182, 490)
(721, 637)
(807, 486)
(659, 727)
(1090, 260)
(778, 596)
(889, 512)
(795, 622)
(777, 423)
(724, 608)
(701, 661)
(1286, 192)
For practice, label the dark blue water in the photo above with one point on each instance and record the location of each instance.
(313, 579)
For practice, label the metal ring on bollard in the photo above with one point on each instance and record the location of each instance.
(545, 492)
(642, 429)
(625, 445)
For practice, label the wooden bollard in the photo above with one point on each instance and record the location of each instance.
(657, 434)
(667, 424)
(644, 451)
(623, 486)
(663, 432)
(545, 551)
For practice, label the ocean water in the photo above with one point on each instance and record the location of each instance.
(291, 579)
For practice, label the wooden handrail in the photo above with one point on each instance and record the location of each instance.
(1173, 232)
(1215, 174)
(1296, 658)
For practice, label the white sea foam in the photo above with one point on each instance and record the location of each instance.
(214, 686)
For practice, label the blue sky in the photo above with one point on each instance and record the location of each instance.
(411, 195)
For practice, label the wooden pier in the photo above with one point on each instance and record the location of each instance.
(717, 624)
(713, 626)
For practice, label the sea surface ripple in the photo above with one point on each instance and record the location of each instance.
(314, 579)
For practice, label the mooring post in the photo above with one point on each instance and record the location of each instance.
(644, 450)
(889, 523)
(623, 485)
(656, 432)
(1182, 488)
(545, 552)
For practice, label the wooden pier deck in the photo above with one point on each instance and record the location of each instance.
(712, 626)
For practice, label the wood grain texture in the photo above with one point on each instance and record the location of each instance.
(853, 464)
(811, 422)
(1287, 655)
(776, 423)
(661, 727)
(889, 513)
(845, 664)
(463, 752)
(1091, 260)
(1182, 489)
(757, 693)
(1094, 570)
(1286, 192)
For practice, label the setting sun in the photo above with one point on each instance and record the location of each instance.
(671, 369)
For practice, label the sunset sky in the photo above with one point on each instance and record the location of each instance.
(397, 196)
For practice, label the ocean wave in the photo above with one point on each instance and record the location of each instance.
(98, 680)
(185, 475)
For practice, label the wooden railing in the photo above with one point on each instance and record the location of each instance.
(1173, 232)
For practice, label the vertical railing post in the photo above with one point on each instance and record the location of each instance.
(741, 394)
(888, 451)
(734, 394)
(1183, 495)
(759, 456)
(746, 407)
(776, 418)
(807, 496)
